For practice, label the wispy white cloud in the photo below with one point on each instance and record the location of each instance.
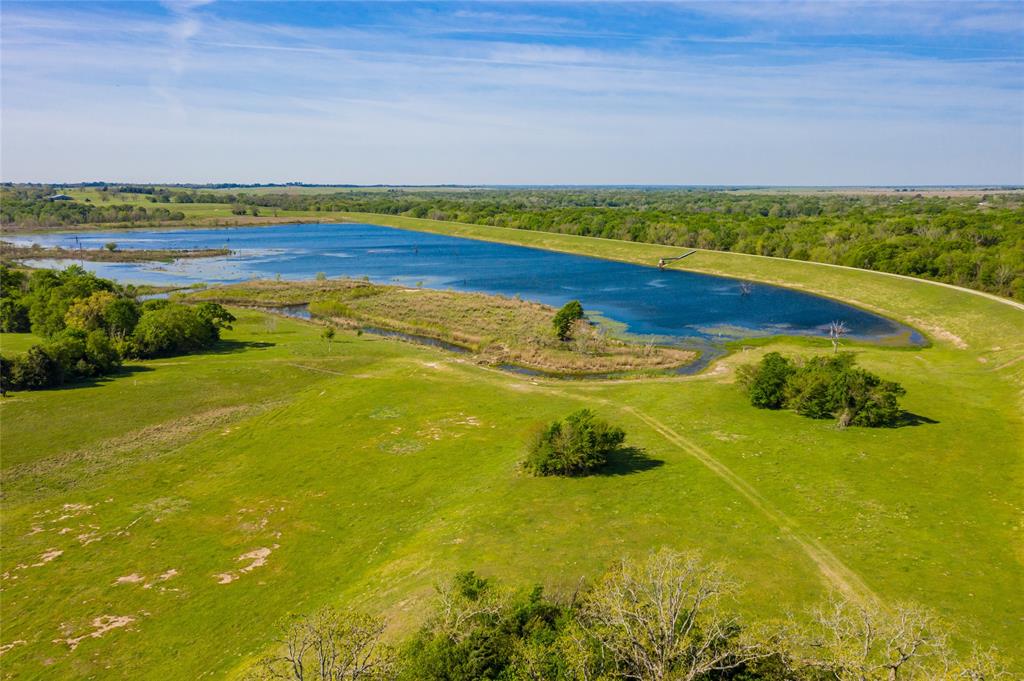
(193, 93)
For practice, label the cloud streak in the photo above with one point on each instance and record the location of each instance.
(509, 93)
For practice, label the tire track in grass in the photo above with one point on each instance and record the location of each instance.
(833, 570)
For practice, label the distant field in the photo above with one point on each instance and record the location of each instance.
(16, 343)
(371, 470)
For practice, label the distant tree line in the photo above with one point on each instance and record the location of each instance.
(31, 208)
(89, 325)
(672, 616)
(973, 241)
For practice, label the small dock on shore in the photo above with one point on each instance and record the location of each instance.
(664, 261)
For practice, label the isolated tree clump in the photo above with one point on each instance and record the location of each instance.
(566, 317)
(823, 387)
(576, 446)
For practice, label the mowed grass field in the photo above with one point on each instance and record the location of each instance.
(160, 523)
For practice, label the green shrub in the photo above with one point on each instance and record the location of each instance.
(477, 631)
(810, 392)
(171, 329)
(35, 369)
(576, 446)
(121, 316)
(13, 316)
(215, 316)
(862, 399)
(101, 354)
(766, 382)
(566, 317)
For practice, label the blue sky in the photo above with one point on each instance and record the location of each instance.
(808, 93)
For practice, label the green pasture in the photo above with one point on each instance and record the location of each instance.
(159, 523)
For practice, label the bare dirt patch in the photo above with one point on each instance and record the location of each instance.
(257, 558)
(7, 646)
(940, 333)
(100, 626)
(133, 578)
(48, 556)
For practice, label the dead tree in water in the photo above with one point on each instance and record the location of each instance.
(746, 288)
(836, 330)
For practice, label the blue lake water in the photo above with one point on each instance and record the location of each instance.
(683, 306)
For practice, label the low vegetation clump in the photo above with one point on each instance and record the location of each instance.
(669, 617)
(89, 325)
(577, 445)
(497, 329)
(823, 387)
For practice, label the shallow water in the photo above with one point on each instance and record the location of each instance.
(702, 310)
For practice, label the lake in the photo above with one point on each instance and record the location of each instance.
(673, 306)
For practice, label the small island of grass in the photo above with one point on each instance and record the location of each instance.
(10, 253)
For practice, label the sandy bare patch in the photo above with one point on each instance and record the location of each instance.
(7, 646)
(170, 574)
(87, 538)
(256, 557)
(100, 626)
(133, 578)
(940, 333)
(47, 556)
(720, 369)
(437, 366)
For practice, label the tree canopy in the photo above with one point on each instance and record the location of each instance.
(577, 445)
(822, 387)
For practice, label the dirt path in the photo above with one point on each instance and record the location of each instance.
(317, 369)
(835, 573)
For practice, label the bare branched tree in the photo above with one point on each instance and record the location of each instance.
(982, 665)
(463, 601)
(858, 642)
(329, 645)
(584, 656)
(662, 618)
(836, 331)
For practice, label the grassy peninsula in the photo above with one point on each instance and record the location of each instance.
(498, 330)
